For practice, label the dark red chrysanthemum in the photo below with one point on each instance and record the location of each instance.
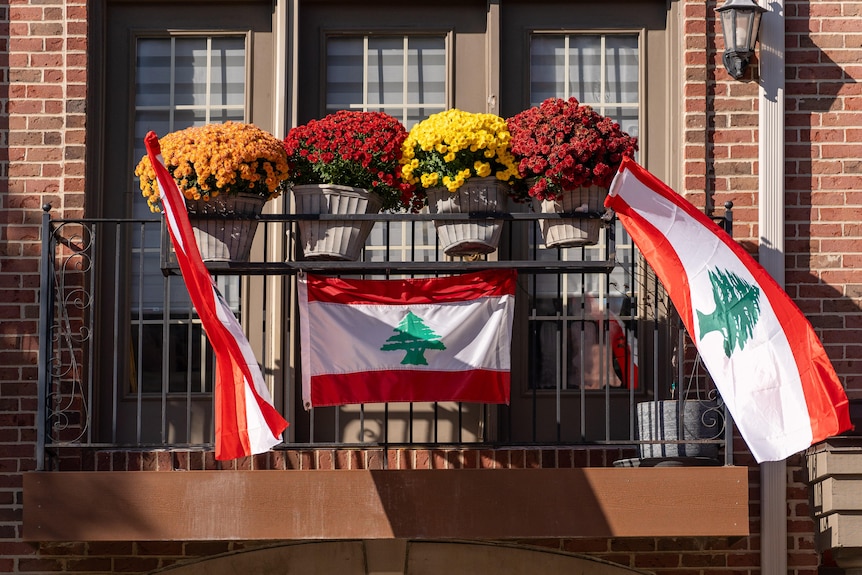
(564, 145)
(351, 148)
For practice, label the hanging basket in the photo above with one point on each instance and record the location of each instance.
(224, 226)
(572, 232)
(334, 240)
(469, 237)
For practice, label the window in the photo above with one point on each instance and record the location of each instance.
(572, 316)
(404, 76)
(600, 70)
(180, 81)
(167, 67)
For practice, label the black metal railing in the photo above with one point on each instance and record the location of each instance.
(124, 362)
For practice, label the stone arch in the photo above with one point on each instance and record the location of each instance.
(400, 557)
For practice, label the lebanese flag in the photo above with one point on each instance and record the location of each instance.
(246, 423)
(374, 341)
(760, 350)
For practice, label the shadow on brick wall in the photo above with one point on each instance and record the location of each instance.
(4, 100)
(822, 168)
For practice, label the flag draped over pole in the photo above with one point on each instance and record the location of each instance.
(438, 339)
(246, 423)
(761, 351)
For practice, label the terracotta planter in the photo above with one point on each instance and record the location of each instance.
(572, 232)
(224, 227)
(334, 240)
(469, 237)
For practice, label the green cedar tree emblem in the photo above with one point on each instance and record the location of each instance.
(414, 337)
(737, 309)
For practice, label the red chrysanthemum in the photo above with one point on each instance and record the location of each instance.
(564, 145)
(352, 148)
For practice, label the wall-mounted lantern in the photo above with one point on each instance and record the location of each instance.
(740, 22)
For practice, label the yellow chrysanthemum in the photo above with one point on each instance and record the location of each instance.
(430, 180)
(449, 147)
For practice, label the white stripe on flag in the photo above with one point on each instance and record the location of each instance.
(474, 333)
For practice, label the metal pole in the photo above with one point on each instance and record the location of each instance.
(773, 475)
(46, 325)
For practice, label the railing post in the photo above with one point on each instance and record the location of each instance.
(728, 218)
(46, 323)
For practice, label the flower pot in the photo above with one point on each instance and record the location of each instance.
(334, 240)
(469, 237)
(572, 232)
(224, 226)
(669, 421)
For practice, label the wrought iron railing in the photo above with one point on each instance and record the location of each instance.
(124, 362)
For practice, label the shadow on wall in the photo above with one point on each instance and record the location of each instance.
(4, 117)
(821, 168)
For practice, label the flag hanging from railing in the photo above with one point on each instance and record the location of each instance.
(246, 423)
(438, 339)
(760, 350)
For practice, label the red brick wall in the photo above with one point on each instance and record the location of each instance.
(824, 154)
(823, 150)
(42, 138)
(42, 134)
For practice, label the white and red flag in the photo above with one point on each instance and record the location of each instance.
(438, 339)
(761, 351)
(246, 423)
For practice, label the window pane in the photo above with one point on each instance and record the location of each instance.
(547, 67)
(585, 68)
(426, 69)
(227, 80)
(385, 71)
(153, 67)
(627, 118)
(344, 73)
(190, 77)
(621, 69)
(180, 82)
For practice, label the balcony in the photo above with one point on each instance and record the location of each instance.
(126, 381)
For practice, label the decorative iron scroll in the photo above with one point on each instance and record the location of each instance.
(69, 395)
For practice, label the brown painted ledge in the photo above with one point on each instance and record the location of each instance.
(384, 504)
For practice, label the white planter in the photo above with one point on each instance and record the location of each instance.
(334, 240)
(224, 227)
(469, 237)
(572, 232)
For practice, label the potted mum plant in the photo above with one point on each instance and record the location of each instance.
(346, 163)
(227, 172)
(463, 163)
(568, 154)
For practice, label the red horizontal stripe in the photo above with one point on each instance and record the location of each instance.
(474, 386)
(489, 283)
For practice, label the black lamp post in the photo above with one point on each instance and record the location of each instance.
(740, 21)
